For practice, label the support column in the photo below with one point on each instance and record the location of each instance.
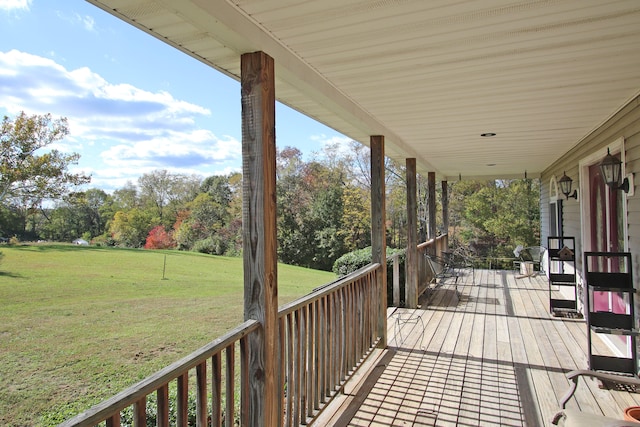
(261, 407)
(431, 185)
(411, 284)
(445, 212)
(378, 229)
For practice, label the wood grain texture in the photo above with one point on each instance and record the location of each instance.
(163, 406)
(140, 413)
(378, 229)
(484, 352)
(445, 211)
(431, 205)
(229, 413)
(201, 394)
(411, 286)
(182, 404)
(216, 389)
(259, 234)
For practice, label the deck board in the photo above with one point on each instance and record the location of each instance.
(483, 353)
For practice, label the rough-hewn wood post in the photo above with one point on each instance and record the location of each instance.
(378, 229)
(431, 186)
(411, 284)
(261, 408)
(445, 211)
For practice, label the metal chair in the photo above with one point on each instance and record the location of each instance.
(533, 254)
(568, 418)
(459, 260)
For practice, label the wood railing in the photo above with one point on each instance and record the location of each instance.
(180, 372)
(434, 247)
(325, 336)
(431, 247)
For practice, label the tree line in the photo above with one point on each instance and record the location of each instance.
(323, 203)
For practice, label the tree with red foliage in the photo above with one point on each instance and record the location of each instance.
(158, 238)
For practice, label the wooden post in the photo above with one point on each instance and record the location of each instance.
(431, 185)
(445, 212)
(378, 229)
(396, 280)
(411, 284)
(263, 404)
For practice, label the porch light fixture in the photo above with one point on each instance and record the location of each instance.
(611, 169)
(565, 187)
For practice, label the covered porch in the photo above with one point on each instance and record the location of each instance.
(479, 352)
(487, 353)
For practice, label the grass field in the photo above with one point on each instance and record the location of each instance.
(78, 324)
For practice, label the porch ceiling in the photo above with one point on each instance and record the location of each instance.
(429, 75)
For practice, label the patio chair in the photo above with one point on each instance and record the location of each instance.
(532, 254)
(440, 267)
(572, 417)
(461, 259)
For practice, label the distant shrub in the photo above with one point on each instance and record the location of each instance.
(14, 240)
(211, 245)
(59, 415)
(103, 240)
(352, 261)
(158, 238)
(152, 411)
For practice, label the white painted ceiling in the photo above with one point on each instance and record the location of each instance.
(430, 75)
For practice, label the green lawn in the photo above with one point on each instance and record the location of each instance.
(78, 324)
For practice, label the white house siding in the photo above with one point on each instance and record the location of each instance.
(625, 123)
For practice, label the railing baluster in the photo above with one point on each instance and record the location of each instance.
(362, 307)
(282, 383)
(182, 404)
(216, 390)
(163, 406)
(290, 377)
(201, 394)
(322, 341)
(229, 414)
(317, 359)
(296, 372)
(342, 329)
(357, 332)
(114, 420)
(375, 298)
(244, 381)
(337, 299)
(352, 333)
(330, 346)
(311, 366)
(140, 413)
(303, 364)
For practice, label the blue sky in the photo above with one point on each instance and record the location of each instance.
(134, 104)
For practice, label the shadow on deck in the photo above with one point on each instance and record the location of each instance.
(483, 354)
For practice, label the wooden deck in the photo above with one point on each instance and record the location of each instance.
(483, 354)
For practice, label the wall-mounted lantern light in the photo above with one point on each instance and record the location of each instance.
(565, 187)
(611, 169)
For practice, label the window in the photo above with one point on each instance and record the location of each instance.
(555, 209)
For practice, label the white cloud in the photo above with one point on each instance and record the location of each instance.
(338, 144)
(15, 4)
(87, 22)
(120, 130)
(180, 149)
